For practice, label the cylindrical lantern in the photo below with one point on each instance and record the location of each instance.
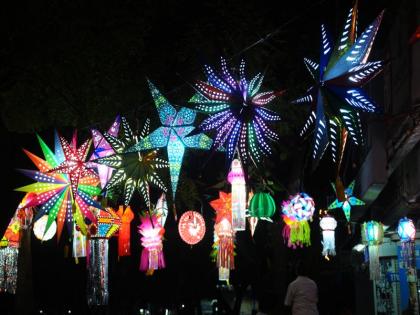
(372, 236)
(191, 227)
(262, 206)
(237, 179)
(152, 233)
(296, 213)
(224, 243)
(328, 225)
(79, 243)
(124, 236)
(40, 226)
(407, 234)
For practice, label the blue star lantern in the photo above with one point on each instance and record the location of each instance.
(349, 200)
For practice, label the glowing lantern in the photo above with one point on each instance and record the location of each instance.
(407, 234)
(39, 229)
(296, 213)
(237, 179)
(162, 209)
(152, 233)
(79, 244)
(124, 234)
(262, 206)
(372, 236)
(191, 227)
(328, 225)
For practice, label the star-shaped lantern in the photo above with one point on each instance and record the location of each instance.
(223, 207)
(176, 125)
(337, 96)
(348, 201)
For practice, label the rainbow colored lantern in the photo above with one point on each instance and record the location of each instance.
(296, 213)
(328, 225)
(236, 178)
(407, 233)
(373, 236)
(192, 227)
(152, 233)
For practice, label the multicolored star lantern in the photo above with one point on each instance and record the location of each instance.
(66, 197)
(133, 169)
(349, 200)
(337, 96)
(102, 148)
(237, 112)
(173, 134)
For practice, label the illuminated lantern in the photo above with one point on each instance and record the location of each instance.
(39, 229)
(162, 209)
(237, 179)
(296, 213)
(407, 233)
(124, 234)
(151, 239)
(262, 206)
(191, 227)
(328, 225)
(79, 244)
(108, 223)
(348, 201)
(372, 236)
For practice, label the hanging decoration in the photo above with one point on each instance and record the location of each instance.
(296, 213)
(102, 148)
(224, 235)
(59, 195)
(40, 230)
(407, 233)
(191, 227)
(107, 225)
(134, 170)
(162, 209)
(236, 178)
(151, 239)
(337, 96)
(328, 225)
(124, 235)
(346, 202)
(237, 111)
(173, 134)
(372, 236)
(262, 206)
(79, 244)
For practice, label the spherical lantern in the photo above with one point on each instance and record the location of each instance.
(328, 225)
(407, 233)
(40, 226)
(373, 235)
(191, 227)
(262, 206)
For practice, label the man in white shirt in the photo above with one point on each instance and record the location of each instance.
(302, 294)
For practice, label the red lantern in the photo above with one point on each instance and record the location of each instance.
(191, 227)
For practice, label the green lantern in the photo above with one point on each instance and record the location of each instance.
(262, 206)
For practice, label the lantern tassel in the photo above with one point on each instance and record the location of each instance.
(374, 265)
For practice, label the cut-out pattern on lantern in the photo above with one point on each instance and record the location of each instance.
(407, 233)
(373, 236)
(237, 179)
(296, 213)
(191, 227)
(328, 225)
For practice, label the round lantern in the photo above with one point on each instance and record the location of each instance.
(262, 205)
(328, 225)
(406, 230)
(300, 207)
(39, 229)
(191, 227)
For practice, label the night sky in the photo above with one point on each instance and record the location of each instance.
(68, 64)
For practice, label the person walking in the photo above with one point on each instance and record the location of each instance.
(302, 294)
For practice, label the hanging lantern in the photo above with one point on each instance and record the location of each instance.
(9, 252)
(124, 234)
(108, 223)
(262, 206)
(237, 179)
(152, 233)
(372, 236)
(407, 233)
(328, 225)
(296, 213)
(162, 209)
(39, 229)
(191, 227)
(79, 243)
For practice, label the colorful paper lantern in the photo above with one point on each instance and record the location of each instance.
(191, 227)
(238, 112)
(79, 244)
(372, 236)
(173, 134)
(151, 232)
(162, 209)
(328, 225)
(236, 178)
(124, 236)
(337, 96)
(262, 206)
(349, 200)
(407, 233)
(296, 213)
(40, 229)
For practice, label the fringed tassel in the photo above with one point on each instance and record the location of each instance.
(8, 269)
(374, 265)
(408, 254)
(225, 257)
(152, 259)
(328, 242)
(97, 284)
(297, 234)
